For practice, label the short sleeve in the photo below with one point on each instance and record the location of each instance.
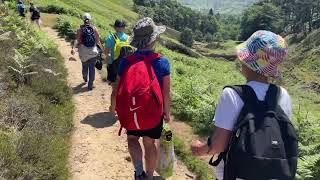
(165, 66)
(228, 109)
(124, 63)
(285, 103)
(109, 43)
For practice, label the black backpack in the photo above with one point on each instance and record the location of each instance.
(99, 63)
(88, 36)
(36, 13)
(263, 144)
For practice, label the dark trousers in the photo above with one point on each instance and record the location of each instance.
(88, 68)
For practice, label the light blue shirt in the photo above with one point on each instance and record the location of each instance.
(22, 6)
(110, 43)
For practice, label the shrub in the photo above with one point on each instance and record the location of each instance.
(186, 37)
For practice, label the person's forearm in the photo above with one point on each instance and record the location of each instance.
(167, 102)
(106, 52)
(166, 93)
(100, 45)
(75, 44)
(219, 141)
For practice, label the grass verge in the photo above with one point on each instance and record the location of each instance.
(196, 165)
(36, 110)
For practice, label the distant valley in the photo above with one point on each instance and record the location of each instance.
(220, 6)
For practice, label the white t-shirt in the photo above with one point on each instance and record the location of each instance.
(231, 104)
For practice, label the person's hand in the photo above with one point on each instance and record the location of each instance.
(104, 57)
(72, 52)
(199, 148)
(167, 118)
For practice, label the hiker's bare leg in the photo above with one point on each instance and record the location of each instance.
(151, 155)
(38, 22)
(135, 152)
(112, 107)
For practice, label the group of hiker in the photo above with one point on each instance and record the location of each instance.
(253, 137)
(140, 81)
(34, 12)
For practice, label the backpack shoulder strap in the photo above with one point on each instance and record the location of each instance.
(132, 58)
(247, 95)
(272, 96)
(154, 56)
(115, 37)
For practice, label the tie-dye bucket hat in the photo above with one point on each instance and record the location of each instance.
(263, 52)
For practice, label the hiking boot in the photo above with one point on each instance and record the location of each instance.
(143, 176)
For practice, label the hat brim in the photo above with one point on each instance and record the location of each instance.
(157, 31)
(249, 59)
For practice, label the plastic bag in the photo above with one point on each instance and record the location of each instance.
(166, 153)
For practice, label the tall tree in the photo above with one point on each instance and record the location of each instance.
(261, 16)
(211, 12)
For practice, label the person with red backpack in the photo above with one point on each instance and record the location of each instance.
(143, 96)
(88, 43)
(254, 138)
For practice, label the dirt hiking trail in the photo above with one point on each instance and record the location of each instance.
(97, 152)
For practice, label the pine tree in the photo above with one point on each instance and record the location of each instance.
(211, 12)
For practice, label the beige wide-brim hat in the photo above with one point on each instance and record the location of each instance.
(146, 32)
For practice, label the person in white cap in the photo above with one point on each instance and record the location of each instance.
(88, 43)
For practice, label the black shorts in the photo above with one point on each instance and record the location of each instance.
(113, 71)
(34, 19)
(154, 133)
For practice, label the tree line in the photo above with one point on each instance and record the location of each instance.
(281, 16)
(298, 17)
(203, 27)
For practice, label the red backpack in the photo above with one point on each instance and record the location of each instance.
(139, 99)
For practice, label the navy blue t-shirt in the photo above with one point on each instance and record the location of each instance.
(160, 66)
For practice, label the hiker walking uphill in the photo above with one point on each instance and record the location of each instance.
(87, 42)
(113, 44)
(254, 118)
(21, 8)
(35, 14)
(143, 97)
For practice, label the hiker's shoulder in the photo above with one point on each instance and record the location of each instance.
(94, 27)
(229, 92)
(285, 96)
(162, 61)
(109, 39)
(125, 36)
(230, 96)
(162, 58)
(284, 91)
